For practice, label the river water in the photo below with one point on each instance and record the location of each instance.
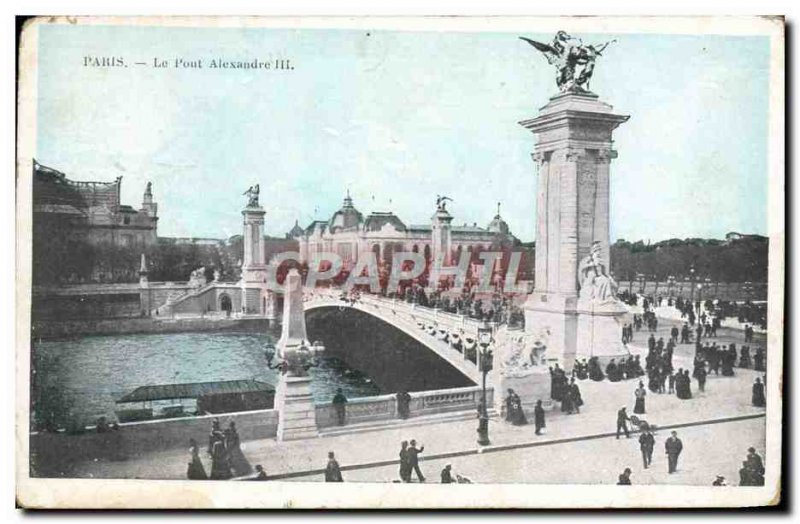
(81, 378)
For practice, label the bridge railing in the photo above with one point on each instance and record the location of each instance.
(431, 315)
(384, 407)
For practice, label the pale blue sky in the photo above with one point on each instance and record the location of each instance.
(400, 116)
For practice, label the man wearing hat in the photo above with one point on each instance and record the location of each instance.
(719, 482)
(622, 422)
(756, 466)
(646, 444)
(673, 447)
(413, 459)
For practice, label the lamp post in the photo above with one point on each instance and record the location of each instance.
(485, 361)
(300, 360)
(691, 288)
(700, 286)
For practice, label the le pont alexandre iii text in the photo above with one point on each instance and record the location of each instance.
(276, 64)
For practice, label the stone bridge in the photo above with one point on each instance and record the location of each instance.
(450, 336)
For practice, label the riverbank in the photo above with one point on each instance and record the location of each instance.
(54, 329)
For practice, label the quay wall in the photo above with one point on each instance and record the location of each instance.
(57, 454)
(53, 454)
(50, 329)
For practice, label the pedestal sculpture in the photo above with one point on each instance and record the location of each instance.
(522, 368)
(293, 399)
(573, 153)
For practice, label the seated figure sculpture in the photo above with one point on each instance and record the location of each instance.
(596, 284)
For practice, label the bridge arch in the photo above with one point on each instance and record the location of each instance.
(397, 317)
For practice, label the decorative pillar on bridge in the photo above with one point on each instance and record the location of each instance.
(257, 298)
(574, 298)
(293, 399)
(440, 241)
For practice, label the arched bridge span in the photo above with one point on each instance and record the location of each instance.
(451, 337)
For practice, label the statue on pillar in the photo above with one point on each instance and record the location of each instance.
(595, 282)
(573, 60)
(441, 203)
(252, 195)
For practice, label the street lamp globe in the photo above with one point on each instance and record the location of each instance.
(484, 336)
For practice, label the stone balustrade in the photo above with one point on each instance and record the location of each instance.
(384, 407)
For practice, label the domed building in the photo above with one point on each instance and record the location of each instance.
(498, 226)
(348, 233)
(347, 219)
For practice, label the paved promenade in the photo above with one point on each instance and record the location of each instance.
(721, 420)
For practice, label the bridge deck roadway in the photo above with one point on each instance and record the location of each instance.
(369, 456)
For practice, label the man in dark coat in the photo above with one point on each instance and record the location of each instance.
(646, 444)
(403, 402)
(575, 397)
(332, 471)
(413, 459)
(758, 360)
(611, 371)
(674, 334)
(622, 422)
(339, 401)
(673, 447)
(746, 475)
(538, 417)
(755, 464)
(701, 375)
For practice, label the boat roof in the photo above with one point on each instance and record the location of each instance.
(195, 390)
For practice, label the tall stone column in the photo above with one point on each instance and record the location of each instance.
(253, 264)
(256, 297)
(572, 153)
(440, 244)
(293, 399)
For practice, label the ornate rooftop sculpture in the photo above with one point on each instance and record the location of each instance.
(573, 60)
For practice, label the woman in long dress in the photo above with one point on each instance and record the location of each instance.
(514, 411)
(236, 458)
(640, 394)
(759, 400)
(405, 468)
(687, 384)
(220, 466)
(196, 471)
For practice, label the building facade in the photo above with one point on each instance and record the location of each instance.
(92, 211)
(350, 234)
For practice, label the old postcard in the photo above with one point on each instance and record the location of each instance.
(341, 262)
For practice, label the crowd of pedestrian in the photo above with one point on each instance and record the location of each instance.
(224, 450)
(565, 390)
